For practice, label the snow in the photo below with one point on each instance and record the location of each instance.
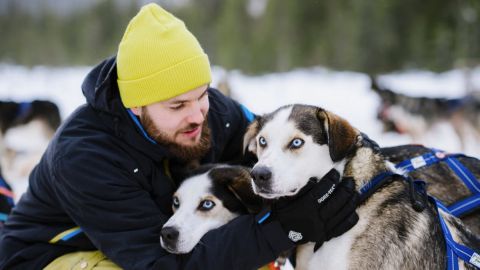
(342, 92)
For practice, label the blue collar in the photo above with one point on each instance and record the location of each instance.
(140, 127)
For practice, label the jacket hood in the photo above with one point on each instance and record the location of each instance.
(100, 87)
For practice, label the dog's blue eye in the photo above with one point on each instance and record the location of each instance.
(175, 202)
(262, 141)
(297, 143)
(206, 205)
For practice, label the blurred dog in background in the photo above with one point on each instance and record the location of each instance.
(416, 116)
(13, 114)
(25, 130)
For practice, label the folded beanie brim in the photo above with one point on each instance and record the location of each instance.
(167, 83)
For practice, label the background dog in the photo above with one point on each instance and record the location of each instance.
(297, 144)
(416, 116)
(36, 120)
(20, 113)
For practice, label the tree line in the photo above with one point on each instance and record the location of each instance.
(368, 36)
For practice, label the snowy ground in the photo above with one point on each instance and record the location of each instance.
(345, 93)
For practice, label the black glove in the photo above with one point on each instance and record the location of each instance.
(320, 211)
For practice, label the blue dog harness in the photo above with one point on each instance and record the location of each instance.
(461, 207)
(418, 198)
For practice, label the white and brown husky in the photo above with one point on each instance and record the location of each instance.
(297, 143)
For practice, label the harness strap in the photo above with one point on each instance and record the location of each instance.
(468, 178)
(436, 156)
(370, 187)
(465, 206)
(455, 250)
(461, 207)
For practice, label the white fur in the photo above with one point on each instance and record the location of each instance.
(335, 253)
(192, 223)
(289, 172)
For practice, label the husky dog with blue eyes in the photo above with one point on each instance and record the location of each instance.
(397, 229)
(209, 198)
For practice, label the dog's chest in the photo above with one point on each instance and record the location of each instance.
(335, 253)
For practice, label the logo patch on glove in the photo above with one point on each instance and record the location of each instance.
(295, 236)
(326, 195)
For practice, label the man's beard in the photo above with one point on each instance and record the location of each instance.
(183, 152)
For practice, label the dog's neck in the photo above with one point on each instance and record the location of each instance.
(364, 165)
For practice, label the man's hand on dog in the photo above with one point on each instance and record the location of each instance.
(322, 210)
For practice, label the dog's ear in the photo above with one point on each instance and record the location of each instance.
(249, 139)
(341, 136)
(237, 180)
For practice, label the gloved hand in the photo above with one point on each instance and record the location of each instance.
(320, 211)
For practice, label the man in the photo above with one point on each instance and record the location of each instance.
(102, 191)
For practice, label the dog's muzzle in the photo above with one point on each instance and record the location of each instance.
(169, 238)
(262, 176)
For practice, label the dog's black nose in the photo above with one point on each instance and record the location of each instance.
(261, 174)
(169, 235)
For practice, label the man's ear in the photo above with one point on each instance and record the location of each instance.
(237, 179)
(136, 110)
(249, 139)
(341, 136)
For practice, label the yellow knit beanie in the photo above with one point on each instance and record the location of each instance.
(158, 59)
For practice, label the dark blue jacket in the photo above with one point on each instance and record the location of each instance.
(101, 174)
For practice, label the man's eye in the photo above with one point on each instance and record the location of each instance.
(176, 108)
(175, 202)
(262, 141)
(206, 205)
(296, 143)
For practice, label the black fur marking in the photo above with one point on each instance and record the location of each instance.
(308, 123)
(232, 184)
(179, 173)
(228, 199)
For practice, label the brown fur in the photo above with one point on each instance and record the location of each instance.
(340, 135)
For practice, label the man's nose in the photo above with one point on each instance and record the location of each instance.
(196, 114)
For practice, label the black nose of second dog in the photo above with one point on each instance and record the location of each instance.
(169, 235)
(261, 174)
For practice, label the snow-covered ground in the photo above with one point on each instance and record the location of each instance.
(345, 93)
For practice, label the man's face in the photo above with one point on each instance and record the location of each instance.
(179, 123)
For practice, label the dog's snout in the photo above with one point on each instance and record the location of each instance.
(169, 234)
(261, 174)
